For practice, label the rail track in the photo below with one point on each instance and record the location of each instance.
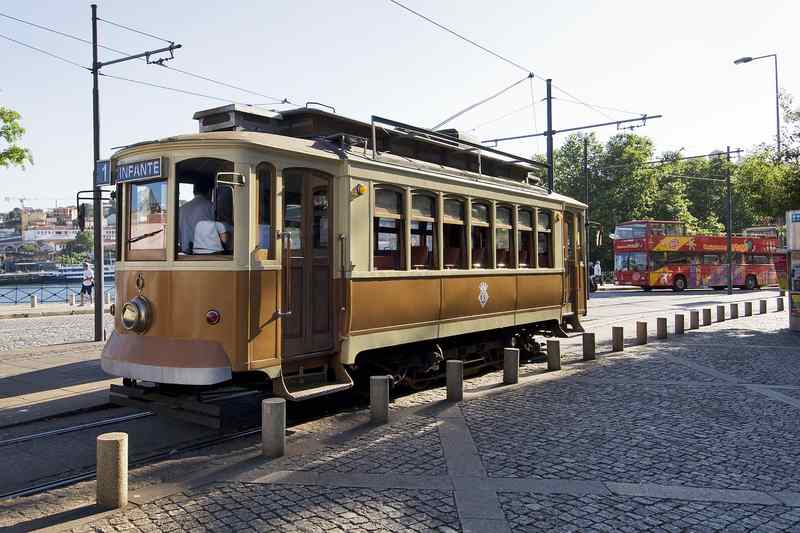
(72, 429)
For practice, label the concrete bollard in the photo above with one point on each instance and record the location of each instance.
(661, 328)
(33, 300)
(617, 339)
(748, 309)
(273, 427)
(641, 333)
(706, 316)
(510, 366)
(589, 346)
(553, 355)
(720, 313)
(455, 380)
(734, 310)
(379, 399)
(694, 319)
(782, 293)
(762, 306)
(780, 304)
(112, 470)
(73, 300)
(108, 298)
(679, 326)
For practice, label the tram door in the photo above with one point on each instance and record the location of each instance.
(570, 265)
(307, 263)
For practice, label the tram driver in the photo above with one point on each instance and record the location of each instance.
(197, 209)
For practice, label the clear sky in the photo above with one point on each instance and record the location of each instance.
(369, 57)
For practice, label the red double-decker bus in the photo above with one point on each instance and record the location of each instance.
(659, 254)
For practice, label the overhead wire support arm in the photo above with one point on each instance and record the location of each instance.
(578, 128)
(146, 55)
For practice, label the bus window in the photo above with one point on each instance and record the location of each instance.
(711, 259)
(621, 262)
(659, 260)
(147, 216)
(633, 231)
(674, 230)
(759, 259)
(657, 229)
(637, 262)
(205, 210)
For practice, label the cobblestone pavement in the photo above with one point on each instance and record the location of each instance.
(20, 333)
(698, 433)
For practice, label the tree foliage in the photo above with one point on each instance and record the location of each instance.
(625, 184)
(11, 131)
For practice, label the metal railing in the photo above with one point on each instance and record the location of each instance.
(21, 294)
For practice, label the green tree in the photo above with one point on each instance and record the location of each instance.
(11, 131)
(81, 244)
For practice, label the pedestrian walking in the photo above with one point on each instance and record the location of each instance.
(88, 283)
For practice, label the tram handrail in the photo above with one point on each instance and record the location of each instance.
(286, 239)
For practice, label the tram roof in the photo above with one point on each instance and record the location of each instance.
(327, 149)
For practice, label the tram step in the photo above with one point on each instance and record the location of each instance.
(302, 386)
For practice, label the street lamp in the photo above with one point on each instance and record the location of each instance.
(748, 59)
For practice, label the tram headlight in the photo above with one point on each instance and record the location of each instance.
(136, 315)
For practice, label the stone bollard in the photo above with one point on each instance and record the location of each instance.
(679, 327)
(694, 319)
(617, 339)
(553, 355)
(734, 310)
(782, 293)
(108, 298)
(33, 300)
(780, 304)
(641, 333)
(762, 306)
(379, 399)
(455, 380)
(706, 316)
(589, 347)
(661, 328)
(720, 313)
(112, 470)
(273, 427)
(748, 309)
(73, 300)
(510, 366)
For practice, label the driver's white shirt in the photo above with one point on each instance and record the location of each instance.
(207, 237)
(598, 271)
(197, 209)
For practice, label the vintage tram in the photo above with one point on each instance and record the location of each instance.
(303, 248)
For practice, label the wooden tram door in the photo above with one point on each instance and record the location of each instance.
(570, 264)
(307, 252)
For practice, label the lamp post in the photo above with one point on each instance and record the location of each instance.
(748, 59)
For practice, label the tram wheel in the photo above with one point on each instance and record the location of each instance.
(647, 289)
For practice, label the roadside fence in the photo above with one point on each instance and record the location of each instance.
(46, 293)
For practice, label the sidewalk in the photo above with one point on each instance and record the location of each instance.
(49, 309)
(695, 433)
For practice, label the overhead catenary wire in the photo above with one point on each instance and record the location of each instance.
(134, 30)
(476, 104)
(277, 101)
(51, 54)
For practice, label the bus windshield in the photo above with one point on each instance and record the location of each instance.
(633, 262)
(633, 231)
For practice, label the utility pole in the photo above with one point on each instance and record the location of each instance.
(586, 221)
(97, 201)
(549, 134)
(730, 220)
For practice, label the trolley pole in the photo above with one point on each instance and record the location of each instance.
(586, 221)
(730, 220)
(97, 202)
(549, 136)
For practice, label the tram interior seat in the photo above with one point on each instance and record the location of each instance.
(387, 262)
(419, 257)
(452, 257)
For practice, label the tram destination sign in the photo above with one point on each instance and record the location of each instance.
(149, 168)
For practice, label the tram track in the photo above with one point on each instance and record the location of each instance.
(75, 428)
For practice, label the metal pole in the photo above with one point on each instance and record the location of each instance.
(777, 107)
(549, 136)
(730, 221)
(586, 220)
(97, 203)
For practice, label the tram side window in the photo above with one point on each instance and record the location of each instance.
(502, 237)
(265, 173)
(455, 241)
(205, 209)
(423, 231)
(525, 254)
(388, 230)
(544, 238)
(480, 234)
(147, 218)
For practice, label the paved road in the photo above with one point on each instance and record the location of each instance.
(698, 433)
